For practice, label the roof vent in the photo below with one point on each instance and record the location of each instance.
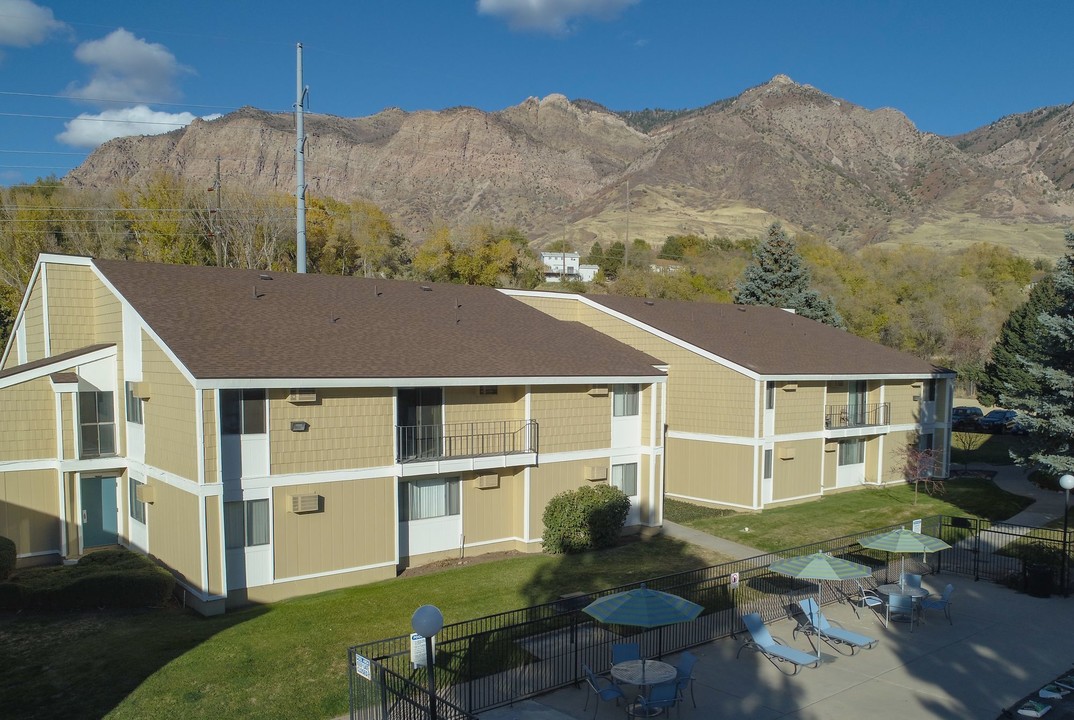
(263, 276)
(426, 288)
(650, 303)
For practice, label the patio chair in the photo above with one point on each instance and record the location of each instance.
(941, 603)
(685, 676)
(902, 606)
(910, 580)
(775, 651)
(622, 652)
(869, 598)
(660, 697)
(602, 687)
(815, 624)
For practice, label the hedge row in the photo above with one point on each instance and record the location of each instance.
(107, 578)
(588, 518)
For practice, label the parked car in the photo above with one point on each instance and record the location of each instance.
(966, 417)
(1000, 421)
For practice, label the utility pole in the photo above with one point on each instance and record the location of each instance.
(300, 169)
(626, 240)
(214, 218)
(563, 275)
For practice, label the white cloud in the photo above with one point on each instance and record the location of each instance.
(22, 23)
(552, 16)
(128, 68)
(89, 130)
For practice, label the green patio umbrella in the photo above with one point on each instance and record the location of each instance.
(642, 607)
(903, 541)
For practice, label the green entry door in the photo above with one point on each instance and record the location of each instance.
(100, 512)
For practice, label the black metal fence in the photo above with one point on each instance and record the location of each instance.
(860, 415)
(499, 659)
(468, 439)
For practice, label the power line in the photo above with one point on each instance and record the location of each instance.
(111, 100)
(93, 119)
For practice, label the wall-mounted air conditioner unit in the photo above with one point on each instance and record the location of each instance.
(596, 473)
(487, 482)
(304, 503)
(302, 395)
(140, 390)
(790, 387)
(786, 453)
(146, 494)
(598, 391)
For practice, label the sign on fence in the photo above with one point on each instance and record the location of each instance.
(361, 666)
(917, 525)
(417, 650)
(734, 581)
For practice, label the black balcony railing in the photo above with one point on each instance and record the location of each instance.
(462, 440)
(861, 415)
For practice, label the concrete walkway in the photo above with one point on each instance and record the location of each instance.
(1002, 646)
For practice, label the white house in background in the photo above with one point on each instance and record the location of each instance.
(558, 264)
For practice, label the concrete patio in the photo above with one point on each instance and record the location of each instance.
(1002, 646)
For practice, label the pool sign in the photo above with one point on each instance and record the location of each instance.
(734, 580)
(361, 666)
(417, 651)
(917, 526)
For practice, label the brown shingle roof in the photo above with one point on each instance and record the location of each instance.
(767, 340)
(226, 323)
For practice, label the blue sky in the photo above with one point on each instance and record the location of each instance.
(951, 65)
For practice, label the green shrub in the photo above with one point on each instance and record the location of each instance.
(108, 578)
(588, 518)
(7, 558)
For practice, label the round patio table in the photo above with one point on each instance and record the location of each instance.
(896, 589)
(643, 672)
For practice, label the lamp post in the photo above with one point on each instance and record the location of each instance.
(427, 621)
(1067, 483)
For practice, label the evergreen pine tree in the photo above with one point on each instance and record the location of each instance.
(1049, 399)
(1020, 336)
(779, 278)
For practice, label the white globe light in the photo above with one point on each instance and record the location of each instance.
(1067, 482)
(427, 620)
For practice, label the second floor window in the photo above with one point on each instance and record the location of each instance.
(97, 424)
(242, 412)
(134, 406)
(769, 395)
(624, 400)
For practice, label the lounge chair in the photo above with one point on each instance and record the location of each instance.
(776, 652)
(815, 624)
(602, 687)
(941, 603)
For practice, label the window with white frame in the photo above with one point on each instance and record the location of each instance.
(770, 395)
(851, 452)
(137, 508)
(97, 424)
(625, 400)
(625, 477)
(134, 406)
(767, 464)
(242, 412)
(428, 499)
(246, 523)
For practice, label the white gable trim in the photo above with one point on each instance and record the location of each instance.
(57, 366)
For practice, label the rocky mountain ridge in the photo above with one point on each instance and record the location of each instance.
(556, 167)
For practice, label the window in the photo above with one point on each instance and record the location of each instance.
(930, 391)
(769, 395)
(851, 452)
(134, 406)
(624, 400)
(625, 477)
(768, 464)
(98, 424)
(137, 509)
(246, 523)
(242, 412)
(427, 499)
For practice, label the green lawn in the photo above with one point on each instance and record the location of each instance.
(974, 447)
(288, 660)
(849, 512)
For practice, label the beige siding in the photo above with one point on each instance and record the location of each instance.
(895, 445)
(570, 418)
(799, 407)
(34, 320)
(901, 394)
(209, 436)
(349, 428)
(69, 415)
(356, 527)
(703, 396)
(213, 533)
(488, 514)
(70, 307)
(466, 405)
(29, 510)
(713, 472)
(13, 356)
(800, 475)
(28, 421)
(174, 530)
(170, 420)
(70, 501)
(831, 462)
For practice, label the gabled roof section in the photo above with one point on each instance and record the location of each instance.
(66, 359)
(767, 340)
(225, 323)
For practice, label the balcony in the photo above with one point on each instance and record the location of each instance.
(857, 416)
(425, 443)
